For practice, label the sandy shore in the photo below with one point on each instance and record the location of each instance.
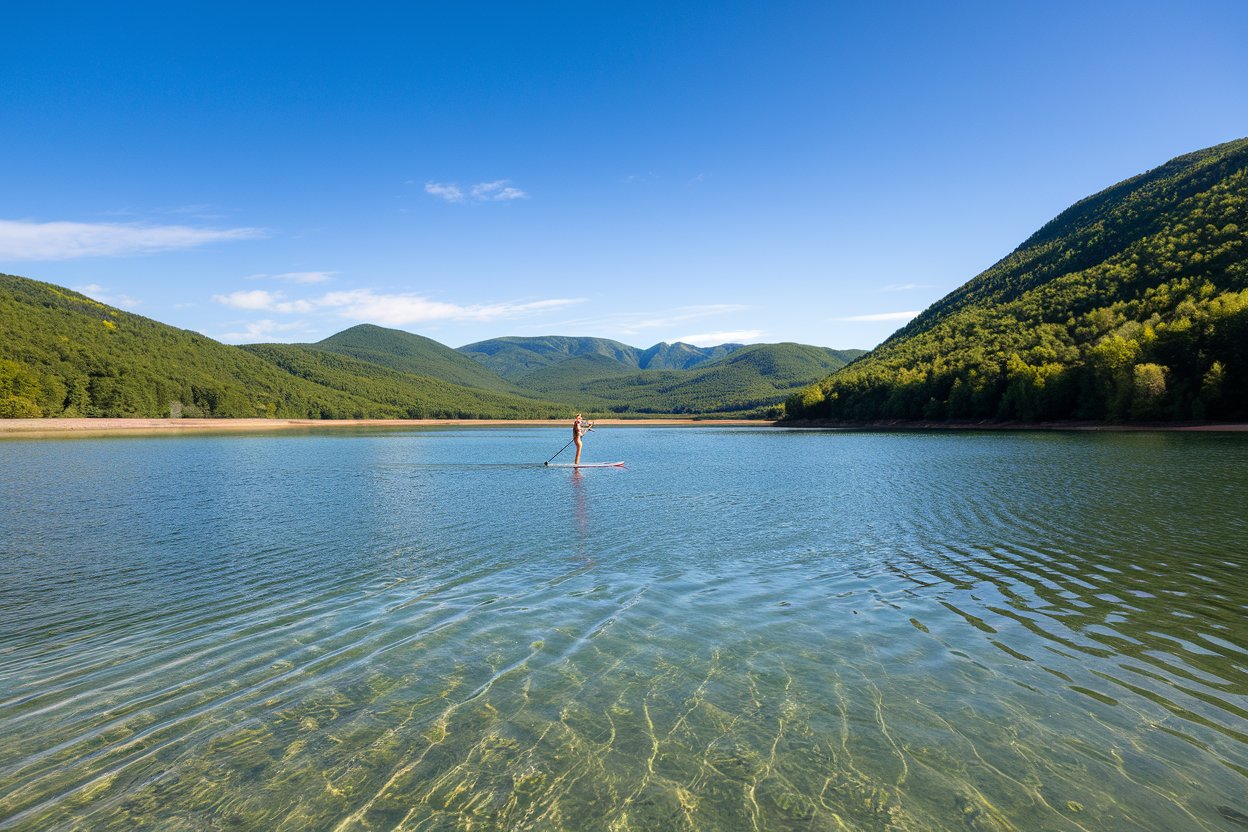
(31, 428)
(60, 427)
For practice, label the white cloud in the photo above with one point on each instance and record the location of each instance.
(261, 299)
(255, 299)
(265, 330)
(387, 308)
(98, 292)
(404, 308)
(449, 192)
(27, 240)
(714, 339)
(881, 316)
(295, 277)
(500, 190)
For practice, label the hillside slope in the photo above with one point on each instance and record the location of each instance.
(409, 353)
(1130, 305)
(64, 354)
(411, 396)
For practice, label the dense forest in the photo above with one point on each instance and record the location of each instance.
(1130, 305)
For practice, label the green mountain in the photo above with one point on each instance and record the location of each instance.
(411, 396)
(410, 353)
(64, 354)
(514, 357)
(1130, 305)
(681, 356)
(746, 381)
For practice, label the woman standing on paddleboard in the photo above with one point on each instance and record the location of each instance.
(579, 427)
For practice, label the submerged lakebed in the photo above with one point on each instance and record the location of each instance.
(743, 628)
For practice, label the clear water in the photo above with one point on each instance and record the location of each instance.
(745, 628)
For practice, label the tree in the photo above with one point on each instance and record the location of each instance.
(1148, 389)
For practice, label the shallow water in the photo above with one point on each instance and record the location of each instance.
(744, 628)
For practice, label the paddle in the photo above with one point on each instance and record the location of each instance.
(565, 447)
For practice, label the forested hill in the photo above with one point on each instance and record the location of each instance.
(1130, 305)
(513, 357)
(64, 354)
(410, 353)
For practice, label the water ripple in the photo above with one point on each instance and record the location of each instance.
(803, 630)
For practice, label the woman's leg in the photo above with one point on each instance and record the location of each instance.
(577, 461)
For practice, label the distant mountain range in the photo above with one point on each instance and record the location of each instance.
(606, 375)
(1130, 305)
(512, 358)
(65, 354)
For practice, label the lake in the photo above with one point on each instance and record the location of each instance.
(744, 628)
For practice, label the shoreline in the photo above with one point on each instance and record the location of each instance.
(39, 428)
(34, 428)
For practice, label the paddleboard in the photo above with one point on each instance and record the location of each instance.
(586, 465)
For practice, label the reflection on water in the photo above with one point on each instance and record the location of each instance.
(580, 507)
(743, 629)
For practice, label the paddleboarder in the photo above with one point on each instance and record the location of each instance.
(579, 428)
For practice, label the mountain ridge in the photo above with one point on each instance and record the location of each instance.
(514, 356)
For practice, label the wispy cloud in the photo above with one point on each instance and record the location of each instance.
(497, 191)
(633, 323)
(394, 309)
(904, 287)
(28, 240)
(451, 193)
(266, 330)
(500, 190)
(262, 299)
(404, 308)
(103, 295)
(714, 339)
(255, 299)
(880, 316)
(295, 277)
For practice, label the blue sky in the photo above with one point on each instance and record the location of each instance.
(707, 172)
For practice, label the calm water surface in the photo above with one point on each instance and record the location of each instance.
(743, 629)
